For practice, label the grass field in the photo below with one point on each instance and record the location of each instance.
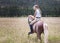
(14, 30)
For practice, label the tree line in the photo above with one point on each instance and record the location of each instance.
(15, 11)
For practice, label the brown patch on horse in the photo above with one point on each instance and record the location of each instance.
(40, 27)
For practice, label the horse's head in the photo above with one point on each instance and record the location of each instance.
(30, 19)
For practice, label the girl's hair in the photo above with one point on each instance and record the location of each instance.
(35, 6)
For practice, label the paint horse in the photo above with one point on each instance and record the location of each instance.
(39, 28)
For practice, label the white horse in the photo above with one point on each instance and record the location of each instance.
(39, 28)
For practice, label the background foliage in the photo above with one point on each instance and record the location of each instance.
(17, 8)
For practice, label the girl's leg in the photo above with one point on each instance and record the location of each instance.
(31, 26)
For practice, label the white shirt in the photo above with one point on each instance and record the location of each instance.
(38, 13)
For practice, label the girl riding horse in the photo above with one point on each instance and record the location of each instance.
(36, 17)
(37, 25)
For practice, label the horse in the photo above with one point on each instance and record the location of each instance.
(39, 28)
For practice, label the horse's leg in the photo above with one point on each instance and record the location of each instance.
(38, 34)
(39, 38)
(45, 33)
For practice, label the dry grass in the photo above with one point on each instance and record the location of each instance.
(14, 30)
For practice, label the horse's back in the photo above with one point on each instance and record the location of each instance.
(40, 23)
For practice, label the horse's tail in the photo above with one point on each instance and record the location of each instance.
(45, 26)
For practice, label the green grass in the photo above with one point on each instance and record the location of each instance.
(15, 30)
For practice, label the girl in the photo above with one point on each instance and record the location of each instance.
(36, 17)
